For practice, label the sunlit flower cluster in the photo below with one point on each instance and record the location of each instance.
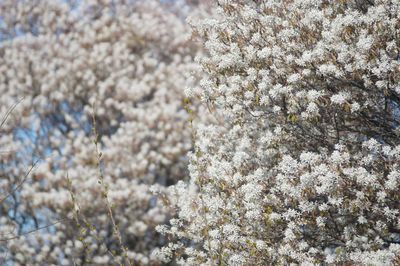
(301, 163)
(257, 132)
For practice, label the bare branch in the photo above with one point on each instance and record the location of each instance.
(10, 111)
(24, 179)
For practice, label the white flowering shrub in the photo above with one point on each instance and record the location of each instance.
(126, 63)
(292, 158)
(301, 165)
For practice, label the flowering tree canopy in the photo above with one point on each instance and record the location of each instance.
(302, 166)
(122, 64)
(259, 132)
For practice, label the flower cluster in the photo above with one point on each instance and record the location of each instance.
(125, 62)
(286, 151)
(301, 164)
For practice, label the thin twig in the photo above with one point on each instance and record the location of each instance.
(33, 231)
(21, 182)
(9, 112)
(105, 190)
(86, 222)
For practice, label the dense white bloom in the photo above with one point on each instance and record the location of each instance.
(128, 62)
(293, 153)
(310, 88)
